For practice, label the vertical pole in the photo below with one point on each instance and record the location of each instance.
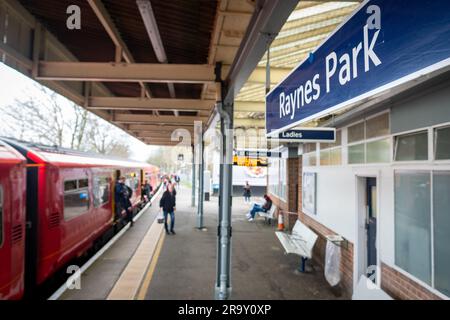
(200, 183)
(223, 277)
(193, 177)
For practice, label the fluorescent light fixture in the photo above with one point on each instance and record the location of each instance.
(145, 8)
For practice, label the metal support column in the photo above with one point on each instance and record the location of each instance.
(193, 177)
(223, 277)
(200, 183)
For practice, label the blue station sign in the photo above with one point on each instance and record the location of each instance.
(307, 135)
(385, 43)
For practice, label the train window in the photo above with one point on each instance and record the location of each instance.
(101, 190)
(1, 216)
(76, 201)
(83, 183)
(70, 185)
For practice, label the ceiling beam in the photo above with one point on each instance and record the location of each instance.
(125, 72)
(159, 127)
(145, 72)
(157, 135)
(126, 103)
(105, 19)
(143, 119)
(160, 143)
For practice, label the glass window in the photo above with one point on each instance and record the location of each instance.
(277, 177)
(413, 223)
(378, 151)
(283, 178)
(83, 183)
(273, 175)
(356, 132)
(70, 185)
(356, 153)
(309, 159)
(1, 216)
(76, 202)
(377, 126)
(441, 220)
(101, 190)
(411, 147)
(325, 158)
(442, 143)
(309, 147)
(336, 156)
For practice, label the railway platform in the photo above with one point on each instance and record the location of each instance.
(147, 264)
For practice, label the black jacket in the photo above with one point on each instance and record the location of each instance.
(167, 202)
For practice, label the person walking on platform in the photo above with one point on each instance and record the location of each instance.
(168, 206)
(247, 192)
(258, 208)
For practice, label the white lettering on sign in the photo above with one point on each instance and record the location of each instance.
(344, 67)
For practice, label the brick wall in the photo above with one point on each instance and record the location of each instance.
(399, 286)
(394, 283)
(346, 266)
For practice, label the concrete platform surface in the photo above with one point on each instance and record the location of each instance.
(98, 281)
(186, 266)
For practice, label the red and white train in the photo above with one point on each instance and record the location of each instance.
(54, 206)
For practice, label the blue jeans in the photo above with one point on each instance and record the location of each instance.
(256, 208)
(172, 220)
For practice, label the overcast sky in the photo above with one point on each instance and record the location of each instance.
(13, 84)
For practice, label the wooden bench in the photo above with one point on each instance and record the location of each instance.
(301, 242)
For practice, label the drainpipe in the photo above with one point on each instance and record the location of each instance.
(193, 177)
(201, 182)
(223, 279)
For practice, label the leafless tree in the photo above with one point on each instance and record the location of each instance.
(42, 116)
(102, 140)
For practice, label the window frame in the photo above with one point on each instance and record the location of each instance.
(431, 171)
(329, 149)
(77, 190)
(434, 133)
(366, 141)
(101, 177)
(411, 133)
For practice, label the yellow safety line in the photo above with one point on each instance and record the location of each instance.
(151, 269)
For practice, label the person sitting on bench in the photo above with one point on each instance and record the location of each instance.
(258, 208)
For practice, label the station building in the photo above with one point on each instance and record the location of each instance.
(384, 184)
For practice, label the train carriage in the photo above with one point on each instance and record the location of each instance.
(12, 222)
(70, 203)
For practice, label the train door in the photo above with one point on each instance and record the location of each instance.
(115, 207)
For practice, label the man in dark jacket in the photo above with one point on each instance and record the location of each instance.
(168, 204)
(123, 195)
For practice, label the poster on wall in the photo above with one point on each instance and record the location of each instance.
(309, 192)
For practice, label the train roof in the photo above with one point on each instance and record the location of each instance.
(64, 157)
(9, 155)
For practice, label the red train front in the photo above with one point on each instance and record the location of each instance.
(70, 205)
(12, 222)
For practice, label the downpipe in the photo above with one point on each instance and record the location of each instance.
(225, 225)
